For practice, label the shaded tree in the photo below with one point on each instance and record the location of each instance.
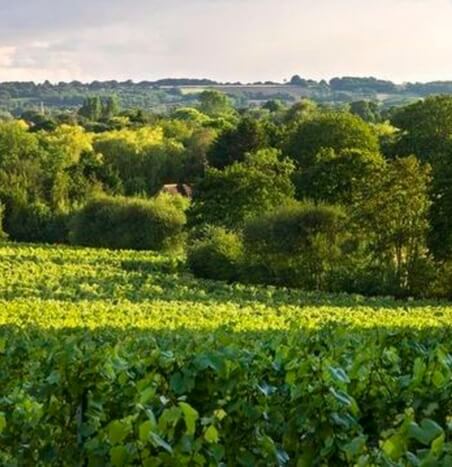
(214, 103)
(391, 213)
(367, 110)
(334, 178)
(232, 145)
(91, 108)
(298, 244)
(110, 107)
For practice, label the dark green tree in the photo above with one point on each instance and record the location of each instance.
(391, 212)
(91, 108)
(110, 107)
(425, 128)
(232, 145)
(367, 110)
(334, 178)
(299, 244)
(214, 103)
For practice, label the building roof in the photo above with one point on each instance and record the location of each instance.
(178, 189)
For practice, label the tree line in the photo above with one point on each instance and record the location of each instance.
(18, 97)
(347, 200)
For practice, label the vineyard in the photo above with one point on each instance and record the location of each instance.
(123, 358)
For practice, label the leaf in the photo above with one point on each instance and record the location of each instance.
(394, 447)
(438, 445)
(339, 375)
(418, 371)
(169, 418)
(2, 422)
(145, 430)
(182, 382)
(438, 379)
(147, 395)
(211, 435)
(426, 432)
(346, 400)
(220, 414)
(190, 416)
(355, 446)
(266, 389)
(118, 431)
(341, 397)
(157, 441)
(118, 456)
(282, 457)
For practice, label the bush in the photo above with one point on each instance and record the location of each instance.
(217, 255)
(36, 222)
(3, 235)
(297, 245)
(442, 287)
(359, 273)
(130, 223)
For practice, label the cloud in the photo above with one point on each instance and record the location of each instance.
(6, 56)
(224, 39)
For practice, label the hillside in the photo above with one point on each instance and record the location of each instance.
(17, 97)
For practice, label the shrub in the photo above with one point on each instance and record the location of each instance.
(443, 285)
(217, 255)
(3, 235)
(36, 222)
(129, 223)
(298, 244)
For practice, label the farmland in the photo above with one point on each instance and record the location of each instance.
(124, 358)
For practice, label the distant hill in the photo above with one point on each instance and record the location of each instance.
(159, 95)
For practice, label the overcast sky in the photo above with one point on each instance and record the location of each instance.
(247, 40)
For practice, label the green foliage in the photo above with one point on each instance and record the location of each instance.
(36, 222)
(3, 235)
(91, 108)
(101, 365)
(110, 107)
(129, 223)
(367, 110)
(243, 190)
(189, 114)
(440, 235)
(299, 245)
(214, 103)
(443, 284)
(300, 111)
(20, 165)
(143, 159)
(334, 178)
(391, 214)
(399, 213)
(426, 128)
(217, 255)
(335, 130)
(233, 144)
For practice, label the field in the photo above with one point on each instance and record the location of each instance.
(123, 358)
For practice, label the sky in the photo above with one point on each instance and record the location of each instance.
(225, 40)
